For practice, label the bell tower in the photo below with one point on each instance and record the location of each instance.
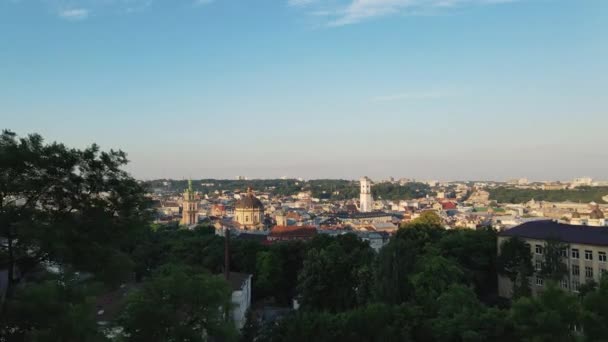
(189, 207)
(366, 201)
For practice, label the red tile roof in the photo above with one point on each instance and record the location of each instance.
(448, 205)
(292, 232)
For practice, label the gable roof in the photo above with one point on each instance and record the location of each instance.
(544, 230)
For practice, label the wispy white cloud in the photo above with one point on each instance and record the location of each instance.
(74, 14)
(345, 12)
(411, 95)
(76, 10)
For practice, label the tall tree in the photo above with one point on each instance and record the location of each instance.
(268, 274)
(433, 276)
(75, 208)
(56, 309)
(551, 316)
(595, 314)
(396, 261)
(475, 252)
(553, 266)
(515, 262)
(179, 304)
(333, 278)
(461, 317)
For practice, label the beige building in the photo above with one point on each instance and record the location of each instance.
(249, 211)
(595, 218)
(585, 255)
(189, 207)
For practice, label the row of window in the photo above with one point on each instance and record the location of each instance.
(601, 256)
(576, 270)
(575, 283)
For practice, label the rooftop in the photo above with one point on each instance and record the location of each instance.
(544, 230)
(293, 231)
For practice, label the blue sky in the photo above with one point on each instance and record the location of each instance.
(430, 89)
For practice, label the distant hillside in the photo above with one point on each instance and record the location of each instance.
(581, 194)
(334, 189)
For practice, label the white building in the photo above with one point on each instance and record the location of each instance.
(241, 297)
(583, 181)
(366, 201)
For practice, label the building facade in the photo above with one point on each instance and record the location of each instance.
(241, 297)
(585, 255)
(366, 200)
(189, 207)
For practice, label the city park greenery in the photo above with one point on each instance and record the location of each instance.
(74, 226)
(583, 194)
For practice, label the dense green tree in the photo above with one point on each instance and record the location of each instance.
(475, 252)
(515, 262)
(56, 309)
(243, 255)
(550, 316)
(434, 274)
(291, 255)
(376, 322)
(199, 247)
(461, 317)
(334, 278)
(179, 304)
(397, 260)
(553, 266)
(75, 208)
(196, 248)
(580, 194)
(595, 314)
(427, 218)
(268, 274)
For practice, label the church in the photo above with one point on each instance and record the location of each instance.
(249, 212)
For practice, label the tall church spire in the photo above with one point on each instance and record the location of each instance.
(189, 207)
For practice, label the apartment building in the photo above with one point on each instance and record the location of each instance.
(585, 255)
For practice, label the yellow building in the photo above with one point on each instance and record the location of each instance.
(189, 207)
(249, 211)
(585, 255)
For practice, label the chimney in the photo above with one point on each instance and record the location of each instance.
(227, 253)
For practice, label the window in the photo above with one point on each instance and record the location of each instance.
(603, 272)
(538, 249)
(576, 270)
(539, 281)
(575, 285)
(538, 265)
(588, 255)
(574, 253)
(564, 252)
(564, 284)
(601, 256)
(589, 272)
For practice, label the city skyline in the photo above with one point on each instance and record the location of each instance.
(448, 90)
